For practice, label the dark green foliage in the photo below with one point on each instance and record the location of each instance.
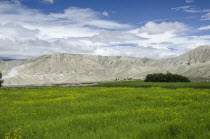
(168, 77)
(124, 79)
(1, 81)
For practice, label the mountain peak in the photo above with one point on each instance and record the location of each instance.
(198, 55)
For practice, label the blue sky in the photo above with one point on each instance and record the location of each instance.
(135, 12)
(138, 28)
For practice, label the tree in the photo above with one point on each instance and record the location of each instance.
(1, 81)
(168, 77)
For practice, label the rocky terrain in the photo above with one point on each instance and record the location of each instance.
(68, 68)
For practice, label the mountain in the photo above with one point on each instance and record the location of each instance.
(69, 68)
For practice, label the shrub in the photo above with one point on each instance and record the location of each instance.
(1, 81)
(168, 77)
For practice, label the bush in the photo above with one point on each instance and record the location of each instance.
(168, 77)
(1, 81)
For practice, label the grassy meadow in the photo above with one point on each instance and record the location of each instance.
(125, 111)
(172, 85)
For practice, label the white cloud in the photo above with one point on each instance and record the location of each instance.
(204, 28)
(206, 16)
(206, 10)
(188, 9)
(155, 28)
(189, 1)
(105, 13)
(49, 1)
(16, 31)
(87, 17)
(27, 33)
(170, 36)
(191, 9)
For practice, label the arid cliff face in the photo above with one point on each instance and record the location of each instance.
(68, 68)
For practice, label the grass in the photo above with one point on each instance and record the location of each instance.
(105, 112)
(174, 85)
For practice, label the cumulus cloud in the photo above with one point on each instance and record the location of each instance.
(155, 28)
(17, 32)
(27, 33)
(170, 36)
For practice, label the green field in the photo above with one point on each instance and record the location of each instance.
(202, 85)
(112, 111)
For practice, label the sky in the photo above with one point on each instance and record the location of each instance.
(136, 28)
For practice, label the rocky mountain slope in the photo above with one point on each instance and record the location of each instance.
(68, 68)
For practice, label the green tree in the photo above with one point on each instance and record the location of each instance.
(1, 81)
(168, 77)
